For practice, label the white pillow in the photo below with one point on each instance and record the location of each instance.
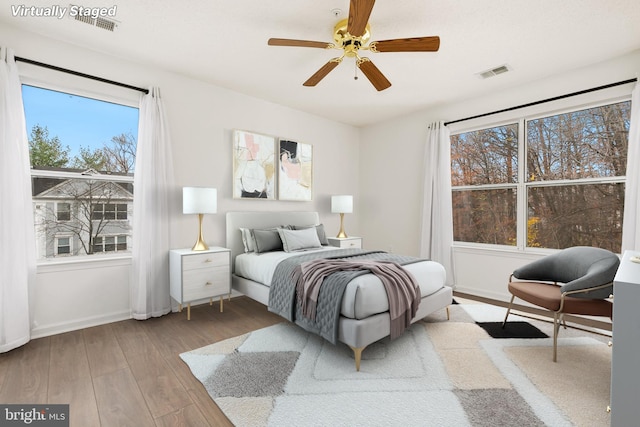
(297, 240)
(247, 240)
(322, 235)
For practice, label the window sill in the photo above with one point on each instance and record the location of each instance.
(486, 248)
(82, 263)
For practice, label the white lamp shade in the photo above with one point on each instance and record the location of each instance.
(198, 200)
(341, 204)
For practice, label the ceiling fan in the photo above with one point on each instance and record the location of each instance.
(351, 35)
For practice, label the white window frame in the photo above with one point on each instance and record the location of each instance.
(115, 242)
(522, 116)
(115, 212)
(44, 78)
(58, 210)
(57, 246)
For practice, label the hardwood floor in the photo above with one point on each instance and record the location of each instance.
(128, 373)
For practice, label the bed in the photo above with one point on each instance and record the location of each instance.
(364, 314)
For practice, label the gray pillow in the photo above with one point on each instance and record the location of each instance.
(266, 240)
(298, 240)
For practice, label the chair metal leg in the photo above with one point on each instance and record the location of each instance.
(508, 311)
(557, 319)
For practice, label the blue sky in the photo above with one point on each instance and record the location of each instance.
(75, 120)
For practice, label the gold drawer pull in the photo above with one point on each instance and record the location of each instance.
(208, 260)
(208, 284)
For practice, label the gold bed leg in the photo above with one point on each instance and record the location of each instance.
(357, 354)
(448, 314)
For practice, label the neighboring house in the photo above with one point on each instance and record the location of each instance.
(80, 216)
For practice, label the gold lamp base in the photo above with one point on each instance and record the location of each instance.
(341, 233)
(200, 245)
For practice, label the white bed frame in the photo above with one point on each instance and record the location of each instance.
(356, 333)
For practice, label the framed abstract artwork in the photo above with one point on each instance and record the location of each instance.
(295, 170)
(254, 166)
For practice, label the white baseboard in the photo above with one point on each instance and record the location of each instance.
(506, 296)
(41, 331)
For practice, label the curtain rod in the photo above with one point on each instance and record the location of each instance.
(555, 98)
(77, 73)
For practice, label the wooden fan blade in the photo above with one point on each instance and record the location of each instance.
(298, 43)
(322, 72)
(359, 12)
(417, 44)
(377, 79)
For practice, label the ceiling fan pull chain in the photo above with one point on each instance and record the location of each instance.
(355, 71)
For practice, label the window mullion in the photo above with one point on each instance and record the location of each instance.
(521, 189)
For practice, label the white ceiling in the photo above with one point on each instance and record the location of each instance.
(225, 42)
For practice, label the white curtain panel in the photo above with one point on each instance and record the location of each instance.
(153, 185)
(630, 226)
(437, 212)
(17, 244)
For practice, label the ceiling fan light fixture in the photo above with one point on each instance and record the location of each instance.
(350, 43)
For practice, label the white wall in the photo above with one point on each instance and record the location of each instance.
(392, 165)
(201, 119)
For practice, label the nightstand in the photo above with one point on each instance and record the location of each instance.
(346, 242)
(196, 275)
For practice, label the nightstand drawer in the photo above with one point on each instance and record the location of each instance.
(208, 260)
(205, 283)
(346, 242)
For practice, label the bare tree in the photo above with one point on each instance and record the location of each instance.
(95, 208)
(120, 154)
(565, 154)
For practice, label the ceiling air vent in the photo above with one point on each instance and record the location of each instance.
(98, 22)
(494, 71)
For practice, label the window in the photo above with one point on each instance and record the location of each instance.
(82, 163)
(110, 244)
(109, 211)
(63, 245)
(63, 211)
(559, 178)
(484, 175)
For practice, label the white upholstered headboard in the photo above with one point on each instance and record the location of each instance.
(262, 219)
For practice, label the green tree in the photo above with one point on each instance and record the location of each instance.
(45, 150)
(90, 159)
(118, 155)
